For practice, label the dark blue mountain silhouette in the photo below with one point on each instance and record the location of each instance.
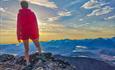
(91, 43)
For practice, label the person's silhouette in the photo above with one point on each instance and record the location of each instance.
(27, 28)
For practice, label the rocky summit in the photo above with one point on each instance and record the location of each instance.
(47, 61)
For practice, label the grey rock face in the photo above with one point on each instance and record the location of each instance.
(38, 62)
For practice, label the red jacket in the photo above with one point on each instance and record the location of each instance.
(26, 23)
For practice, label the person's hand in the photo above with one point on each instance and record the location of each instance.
(19, 41)
(19, 37)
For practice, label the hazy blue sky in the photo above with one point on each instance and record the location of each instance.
(58, 19)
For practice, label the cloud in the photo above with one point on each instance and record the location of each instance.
(51, 28)
(5, 0)
(2, 10)
(51, 19)
(93, 4)
(60, 14)
(101, 11)
(80, 19)
(72, 3)
(64, 13)
(110, 17)
(99, 7)
(45, 3)
(78, 26)
(82, 25)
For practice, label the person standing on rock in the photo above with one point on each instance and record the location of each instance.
(27, 28)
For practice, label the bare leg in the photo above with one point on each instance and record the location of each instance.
(36, 42)
(26, 47)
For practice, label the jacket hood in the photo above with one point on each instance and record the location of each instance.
(25, 11)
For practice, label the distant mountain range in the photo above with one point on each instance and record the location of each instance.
(97, 42)
(91, 43)
(101, 45)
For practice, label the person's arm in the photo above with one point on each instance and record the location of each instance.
(34, 19)
(18, 28)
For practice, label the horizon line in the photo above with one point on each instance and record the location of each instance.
(63, 39)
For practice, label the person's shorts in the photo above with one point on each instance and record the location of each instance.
(32, 37)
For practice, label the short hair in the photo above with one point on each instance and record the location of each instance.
(24, 4)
